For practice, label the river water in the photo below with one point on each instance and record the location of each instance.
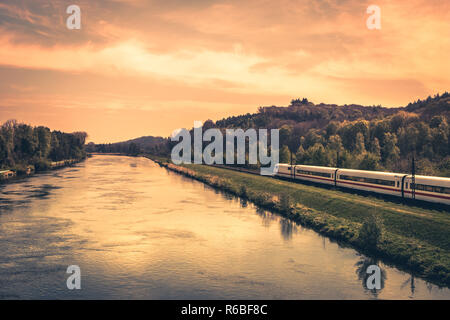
(138, 231)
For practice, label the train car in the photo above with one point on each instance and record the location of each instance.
(432, 189)
(374, 181)
(324, 175)
(307, 173)
(283, 170)
(427, 188)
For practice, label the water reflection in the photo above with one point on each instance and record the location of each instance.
(288, 228)
(363, 275)
(266, 217)
(139, 231)
(411, 284)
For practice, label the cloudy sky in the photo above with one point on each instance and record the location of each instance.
(147, 67)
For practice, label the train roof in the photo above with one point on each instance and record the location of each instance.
(315, 167)
(390, 174)
(305, 165)
(431, 179)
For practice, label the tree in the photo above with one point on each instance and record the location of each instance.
(294, 142)
(376, 149)
(299, 155)
(359, 144)
(316, 155)
(290, 138)
(390, 150)
(331, 130)
(285, 134)
(436, 121)
(440, 142)
(22, 145)
(133, 149)
(44, 141)
(335, 143)
(284, 154)
(369, 162)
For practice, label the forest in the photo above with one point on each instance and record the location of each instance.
(358, 137)
(23, 146)
(348, 136)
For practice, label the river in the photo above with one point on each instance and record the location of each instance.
(138, 231)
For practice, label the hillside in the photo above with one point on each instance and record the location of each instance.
(148, 144)
(431, 107)
(348, 136)
(306, 115)
(359, 137)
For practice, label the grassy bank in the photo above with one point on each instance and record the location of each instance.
(412, 238)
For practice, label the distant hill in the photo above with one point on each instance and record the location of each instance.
(359, 137)
(348, 136)
(430, 107)
(305, 115)
(147, 144)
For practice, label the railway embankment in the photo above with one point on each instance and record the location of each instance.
(412, 238)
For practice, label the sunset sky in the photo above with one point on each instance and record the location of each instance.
(147, 67)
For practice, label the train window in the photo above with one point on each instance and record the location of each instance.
(369, 180)
(407, 185)
(313, 173)
(436, 189)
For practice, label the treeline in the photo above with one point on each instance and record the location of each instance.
(22, 146)
(377, 139)
(349, 136)
(131, 149)
(151, 145)
(387, 144)
(357, 137)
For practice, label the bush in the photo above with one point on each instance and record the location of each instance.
(20, 169)
(243, 192)
(371, 232)
(262, 199)
(227, 185)
(285, 202)
(42, 165)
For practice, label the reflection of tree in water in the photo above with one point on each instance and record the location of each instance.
(227, 195)
(412, 285)
(243, 202)
(361, 270)
(411, 282)
(287, 228)
(266, 217)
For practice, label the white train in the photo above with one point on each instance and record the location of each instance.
(432, 189)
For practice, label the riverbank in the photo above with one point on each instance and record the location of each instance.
(30, 170)
(413, 238)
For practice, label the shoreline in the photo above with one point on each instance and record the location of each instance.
(58, 165)
(404, 253)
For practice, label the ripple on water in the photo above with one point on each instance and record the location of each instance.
(138, 231)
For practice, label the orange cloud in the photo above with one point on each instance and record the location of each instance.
(212, 57)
